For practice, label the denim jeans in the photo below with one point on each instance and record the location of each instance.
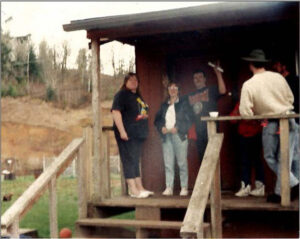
(271, 148)
(173, 147)
(296, 155)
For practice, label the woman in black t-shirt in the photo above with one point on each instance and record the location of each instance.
(130, 115)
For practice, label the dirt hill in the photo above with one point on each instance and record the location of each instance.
(32, 129)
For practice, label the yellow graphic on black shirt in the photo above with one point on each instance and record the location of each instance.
(143, 106)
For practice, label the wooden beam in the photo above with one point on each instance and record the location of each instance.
(97, 124)
(146, 213)
(14, 230)
(113, 222)
(215, 192)
(124, 187)
(52, 202)
(81, 182)
(53, 208)
(284, 163)
(88, 137)
(255, 117)
(34, 191)
(193, 220)
(105, 165)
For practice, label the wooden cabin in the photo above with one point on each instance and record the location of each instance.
(177, 42)
(174, 43)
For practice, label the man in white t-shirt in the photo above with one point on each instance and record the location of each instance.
(267, 93)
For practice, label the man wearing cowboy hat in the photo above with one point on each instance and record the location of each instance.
(267, 93)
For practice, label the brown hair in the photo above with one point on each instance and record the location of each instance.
(169, 84)
(126, 78)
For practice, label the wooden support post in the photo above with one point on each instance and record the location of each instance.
(53, 208)
(13, 229)
(215, 193)
(81, 182)
(97, 124)
(146, 213)
(106, 163)
(284, 163)
(124, 188)
(88, 161)
(141, 233)
(52, 203)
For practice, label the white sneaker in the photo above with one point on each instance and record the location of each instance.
(184, 192)
(259, 190)
(244, 191)
(168, 192)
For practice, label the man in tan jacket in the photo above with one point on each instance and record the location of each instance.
(267, 93)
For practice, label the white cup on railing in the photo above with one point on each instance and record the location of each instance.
(213, 114)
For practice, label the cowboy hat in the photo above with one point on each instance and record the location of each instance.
(256, 55)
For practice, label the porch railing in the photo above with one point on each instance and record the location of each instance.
(208, 181)
(106, 143)
(12, 216)
(284, 146)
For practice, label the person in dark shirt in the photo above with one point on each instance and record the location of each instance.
(130, 115)
(281, 67)
(202, 101)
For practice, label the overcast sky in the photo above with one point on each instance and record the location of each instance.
(44, 20)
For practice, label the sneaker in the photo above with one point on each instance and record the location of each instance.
(184, 192)
(244, 190)
(259, 190)
(168, 192)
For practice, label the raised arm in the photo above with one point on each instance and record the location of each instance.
(221, 83)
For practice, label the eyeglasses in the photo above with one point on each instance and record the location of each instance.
(173, 87)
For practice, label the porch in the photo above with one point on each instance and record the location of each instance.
(161, 216)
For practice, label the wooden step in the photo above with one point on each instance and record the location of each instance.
(108, 222)
(23, 232)
(82, 225)
(229, 202)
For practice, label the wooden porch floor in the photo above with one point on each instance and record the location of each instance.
(229, 202)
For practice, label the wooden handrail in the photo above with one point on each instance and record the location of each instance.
(254, 117)
(284, 146)
(193, 220)
(35, 190)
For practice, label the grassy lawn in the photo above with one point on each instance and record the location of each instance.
(67, 209)
(38, 216)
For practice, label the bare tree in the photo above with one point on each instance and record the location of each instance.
(131, 67)
(81, 62)
(45, 63)
(66, 51)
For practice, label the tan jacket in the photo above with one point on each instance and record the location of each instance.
(266, 93)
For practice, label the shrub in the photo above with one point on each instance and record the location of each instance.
(12, 91)
(50, 94)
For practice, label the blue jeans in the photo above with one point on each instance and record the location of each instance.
(174, 146)
(296, 155)
(272, 151)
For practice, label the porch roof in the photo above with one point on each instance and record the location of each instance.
(197, 18)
